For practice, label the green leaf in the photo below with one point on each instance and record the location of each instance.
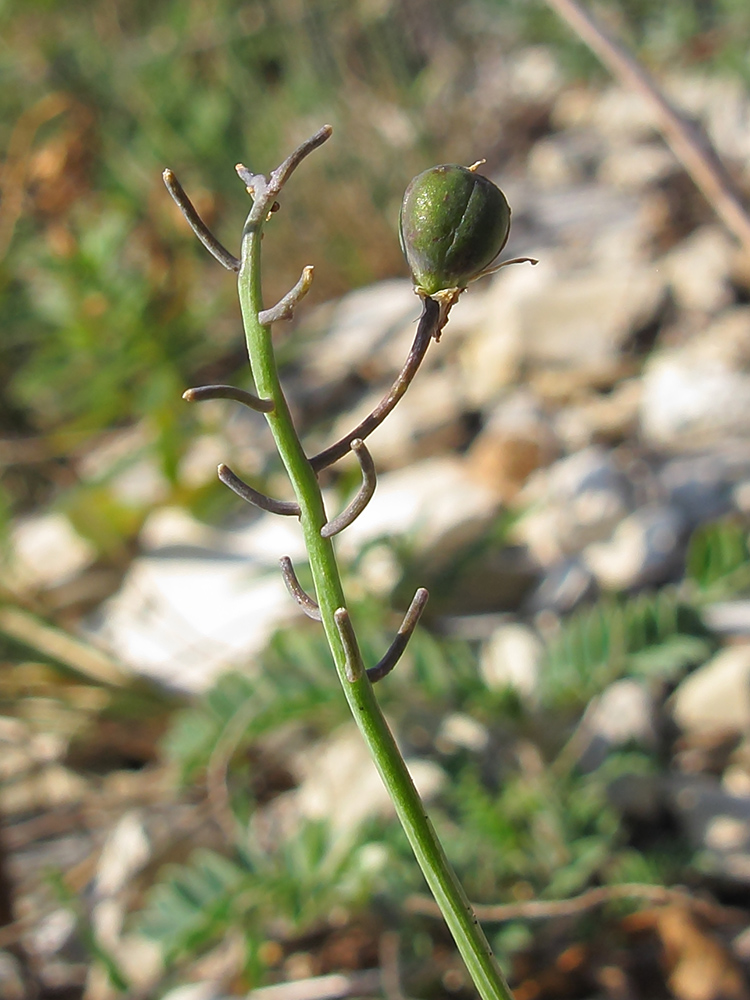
(718, 561)
(294, 884)
(294, 680)
(649, 634)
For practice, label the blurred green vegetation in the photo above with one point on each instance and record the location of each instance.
(525, 811)
(109, 307)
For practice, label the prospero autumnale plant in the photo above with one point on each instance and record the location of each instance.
(454, 222)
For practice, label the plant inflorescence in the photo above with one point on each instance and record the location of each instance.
(453, 224)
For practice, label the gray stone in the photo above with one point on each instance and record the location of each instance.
(623, 115)
(51, 787)
(459, 731)
(643, 549)
(51, 933)
(198, 465)
(173, 528)
(534, 73)
(141, 484)
(486, 324)
(612, 417)
(125, 852)
(516, 440)
(721, 103)
(574, 226)
(716, 823)
(473, 627)
(623, 713)
(427, 421)
(564, 158)
(487, 580)
(564, 586)
(687, 404)
(728, 617)
(590, 470)
(736, 780)
(126, 462)
(197, 991)
(577, 500)
(574, 108)
(698, 487)
(338, 782)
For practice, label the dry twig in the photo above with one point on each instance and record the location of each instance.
(687, 140)
(543, 909)
(73, 653)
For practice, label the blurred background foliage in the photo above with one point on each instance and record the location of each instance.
(109, 307)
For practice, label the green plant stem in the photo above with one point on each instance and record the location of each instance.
(364, 706)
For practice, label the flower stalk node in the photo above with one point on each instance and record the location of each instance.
(201, 392)
(353, 666)
(284, 308)
(199, 227)
(445, 277)
(308, 605)
(249, 495)
(395, 651)
(363, 497)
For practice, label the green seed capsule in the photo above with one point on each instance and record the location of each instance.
(453, 223)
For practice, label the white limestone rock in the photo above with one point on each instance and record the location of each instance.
(622, 714)
(184, 619)
(583, 318)
(339, 782)
(126, 851)
(716, 696)
(698, 395)
(369, 332)
(427, 421)
(698, 270)
(488, 321)
(632, 167)
(511, 658)
(46, 551)
(716, 823)
(433, 506)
